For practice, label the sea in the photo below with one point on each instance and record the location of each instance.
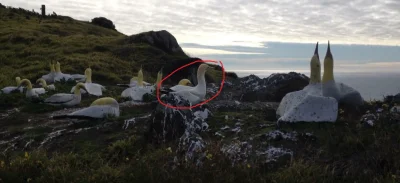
(371, 85)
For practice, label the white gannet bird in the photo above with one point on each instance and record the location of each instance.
(58, 76)
(92, 88)
(340, 91)
(66, 99)
(309, 104)
(49, 78)
(136, 92)
(9, 89)
(100, 108)
(44, 84)
(79, 77)
(183, 84)
(135, 80)
(31, 92)
(197, 93)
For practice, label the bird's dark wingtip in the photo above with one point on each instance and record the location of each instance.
(328, 52)
(316, 49)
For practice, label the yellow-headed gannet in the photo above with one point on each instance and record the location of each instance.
(31, 92)
(100, 108)
(309, 104)
(9, 89)
(197, 93)
(61, 76)
(92, 88)
(44, 84)
(49, 78)
(136, 92)
(66, 99)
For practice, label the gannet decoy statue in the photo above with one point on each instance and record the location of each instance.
(100, 108)
(44, 84)
(137, 92)
(197, 93)
(92, 88)
(79, 77)
(61, 76)
(30, 91)
(309, 104)
(343, 93)
(49, 78)
(66, 99)
(9, 89)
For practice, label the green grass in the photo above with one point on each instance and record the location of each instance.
(27, 46)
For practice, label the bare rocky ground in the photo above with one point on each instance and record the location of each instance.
(234, 133)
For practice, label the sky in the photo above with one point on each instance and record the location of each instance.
(258, 35)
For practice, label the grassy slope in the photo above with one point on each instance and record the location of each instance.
(27, 46)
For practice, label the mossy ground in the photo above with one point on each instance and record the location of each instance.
(345, 151)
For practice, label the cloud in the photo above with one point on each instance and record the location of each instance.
(217, 22)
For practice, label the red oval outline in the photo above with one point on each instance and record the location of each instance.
(204, 102)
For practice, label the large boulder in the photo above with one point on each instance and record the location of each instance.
(273, 88)
(160, 39)
(184, 125)
(103, 22)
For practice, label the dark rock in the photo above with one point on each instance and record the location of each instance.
(230, 106)
(273, 88)
(189, 72)
(168, 124)
(103, 22)
(160, 39)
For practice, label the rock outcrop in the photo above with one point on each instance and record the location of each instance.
(160, 39)
(273, 88)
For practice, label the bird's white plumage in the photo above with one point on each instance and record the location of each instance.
(92, 88)
(136, 93)
(97, 111)
(63, 99)
(193, 94)
(189, 95)
(31, 92)
(9, 89)
(49, 78)
(66, 99)
(99, 108)
(59, 76)
(78, 77)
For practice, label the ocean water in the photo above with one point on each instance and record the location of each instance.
(372, 86)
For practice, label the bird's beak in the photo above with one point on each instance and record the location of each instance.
(84, 88)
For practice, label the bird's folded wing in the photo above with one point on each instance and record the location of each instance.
(60, 98)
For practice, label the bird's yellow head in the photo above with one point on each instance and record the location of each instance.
(315, 67)
(18, 80)
(27, 83)
(58, 69)
(105, 101)
(140, 77)
(78, 88)
(185, 82)
(159, 77)
(328, 66)
(88, 74)
(40, 80)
